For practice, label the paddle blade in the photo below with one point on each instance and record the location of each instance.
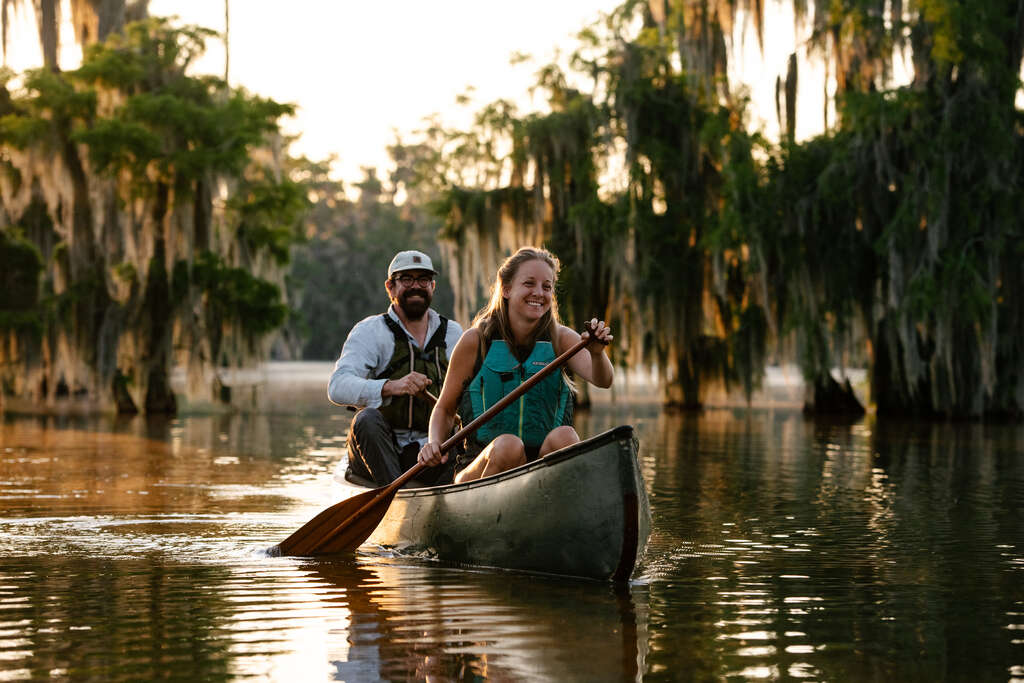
(342, 527)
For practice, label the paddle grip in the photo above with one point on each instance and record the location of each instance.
(588, 328)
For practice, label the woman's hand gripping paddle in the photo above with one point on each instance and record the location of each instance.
(346, 525)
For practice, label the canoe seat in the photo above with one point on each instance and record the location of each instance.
(357, 480)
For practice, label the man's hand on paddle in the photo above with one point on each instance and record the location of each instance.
(410, 385)
(431, 455)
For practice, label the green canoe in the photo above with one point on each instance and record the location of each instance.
(581, 511)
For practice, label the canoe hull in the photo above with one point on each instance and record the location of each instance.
(580, 512)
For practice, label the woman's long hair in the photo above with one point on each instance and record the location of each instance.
(492, 320)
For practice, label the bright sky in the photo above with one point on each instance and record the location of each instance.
(358, 71)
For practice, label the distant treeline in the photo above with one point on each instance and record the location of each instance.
(340, 263)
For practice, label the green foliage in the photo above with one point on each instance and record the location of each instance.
(50, 92)
(131, 124)
(125, 272)
(115, 144)
(183, 132)
(23, 322)
(268, 215)
(145, 56)
(232, 294)
(941, 16)
(22, 131)
(19, 284)
(45, 109)
(22, 269)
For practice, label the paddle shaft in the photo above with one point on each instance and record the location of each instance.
(505, 402)
(474, 425)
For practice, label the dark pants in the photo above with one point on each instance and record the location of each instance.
(373, 453)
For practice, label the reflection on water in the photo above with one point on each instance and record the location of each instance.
(410, 622)
(354, 619)
(120, 487)
(781, 548)
(816, 550)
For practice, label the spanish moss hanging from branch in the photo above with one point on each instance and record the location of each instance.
(162, 224)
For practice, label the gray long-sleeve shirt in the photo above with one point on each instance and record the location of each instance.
(366, 353)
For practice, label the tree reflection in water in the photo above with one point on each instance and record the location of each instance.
(413, 622)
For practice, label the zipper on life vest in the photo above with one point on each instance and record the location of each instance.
(522, 400)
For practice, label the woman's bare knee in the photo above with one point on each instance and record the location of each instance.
(504, 453)
(473, 470)
(559, 438)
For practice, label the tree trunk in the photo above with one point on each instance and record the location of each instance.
(49, 31)
(227, 42)
(94, 20)
(159, 314)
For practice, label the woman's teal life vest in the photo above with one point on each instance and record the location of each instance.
(545, 406)
(413, 412)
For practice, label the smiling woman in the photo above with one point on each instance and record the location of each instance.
(511, 339)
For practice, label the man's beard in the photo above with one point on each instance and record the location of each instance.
(417, 308)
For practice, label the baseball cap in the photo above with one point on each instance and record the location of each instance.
(410, 260)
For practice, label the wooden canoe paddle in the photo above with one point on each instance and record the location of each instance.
(346, 525)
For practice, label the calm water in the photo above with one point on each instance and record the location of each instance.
(782, 549)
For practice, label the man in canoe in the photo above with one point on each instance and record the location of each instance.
(390, 366)
(511, 338)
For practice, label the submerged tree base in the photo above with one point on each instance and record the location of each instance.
(683, 406)
(829, 397)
